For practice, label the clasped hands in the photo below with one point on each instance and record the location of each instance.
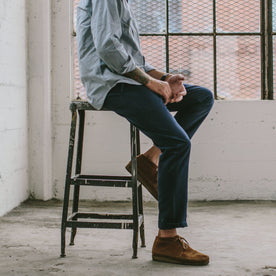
(177, 88)
(172, 90)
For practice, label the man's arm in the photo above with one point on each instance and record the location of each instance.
(139, 76)
(158, 74)
(175, 82)
(160, 87)
(106, 31)
(172, 89)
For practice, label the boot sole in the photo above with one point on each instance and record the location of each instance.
(174, 261)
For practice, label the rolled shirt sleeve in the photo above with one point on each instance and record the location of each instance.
(106, 30)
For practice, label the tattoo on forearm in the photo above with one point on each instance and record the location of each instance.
(138, 75)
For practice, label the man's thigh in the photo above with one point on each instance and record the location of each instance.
(147, 111)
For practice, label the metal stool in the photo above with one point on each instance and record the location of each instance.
(134, 221)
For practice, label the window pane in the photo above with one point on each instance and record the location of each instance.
(274, 63)
(238, 57)
(150, 15)
(153, 48)
(192, 56)
(190, 16)
(274, 15)
(79, 91)
(238, 67)
(238, 15)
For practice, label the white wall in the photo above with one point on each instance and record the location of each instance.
(13, 105)
(61, 85)
(233, 153)
(40, 99)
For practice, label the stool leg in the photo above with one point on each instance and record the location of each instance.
(140, 196)
(141, 212)
(134, 189)
(75, 207)
(67, 181)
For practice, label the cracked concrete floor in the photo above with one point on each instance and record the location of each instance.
(239, 237)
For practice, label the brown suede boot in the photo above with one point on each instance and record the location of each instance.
(177, 250)
(146, 174)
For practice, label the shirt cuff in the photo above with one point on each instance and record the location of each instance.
(127, 67)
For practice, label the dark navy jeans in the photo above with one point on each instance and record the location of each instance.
(171, 134)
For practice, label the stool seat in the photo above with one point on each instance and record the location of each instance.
(84, 105)
(76, 219)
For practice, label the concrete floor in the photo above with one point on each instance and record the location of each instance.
(239, 237)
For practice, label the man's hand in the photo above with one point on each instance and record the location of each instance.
(162, 88)
(172, 90)
(178, 90)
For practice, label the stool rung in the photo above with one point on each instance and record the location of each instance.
(102, 180)
(122, 224)
(112, 225)
(78, 215)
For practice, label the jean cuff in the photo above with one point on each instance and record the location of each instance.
(171, 225)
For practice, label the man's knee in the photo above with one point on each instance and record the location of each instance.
(186, 144)
(207, 96)
(178, 143)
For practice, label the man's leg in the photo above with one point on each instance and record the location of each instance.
(193, 109)
(191, 112)
(146, 110)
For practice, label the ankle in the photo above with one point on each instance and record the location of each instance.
(167, 233)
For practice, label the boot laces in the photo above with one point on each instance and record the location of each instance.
(184, 242)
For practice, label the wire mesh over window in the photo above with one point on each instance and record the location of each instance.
(213, 43)
(78, 89)
(238, 15)
(238, 67)
(192, 56)
(190, 16)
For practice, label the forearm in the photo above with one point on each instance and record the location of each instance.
(139, 76)
(144, 77)
(158, 74)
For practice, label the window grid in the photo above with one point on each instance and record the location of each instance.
(223, 45)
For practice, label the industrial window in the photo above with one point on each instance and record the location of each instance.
(225, 46)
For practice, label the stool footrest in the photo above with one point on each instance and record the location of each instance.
(102, 180)
(124, 221)
(78, 215)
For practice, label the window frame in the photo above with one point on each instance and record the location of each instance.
(266, 35)
(266, 39)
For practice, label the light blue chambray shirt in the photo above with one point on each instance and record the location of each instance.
(108, 46)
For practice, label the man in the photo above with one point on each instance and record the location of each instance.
(116, 76)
